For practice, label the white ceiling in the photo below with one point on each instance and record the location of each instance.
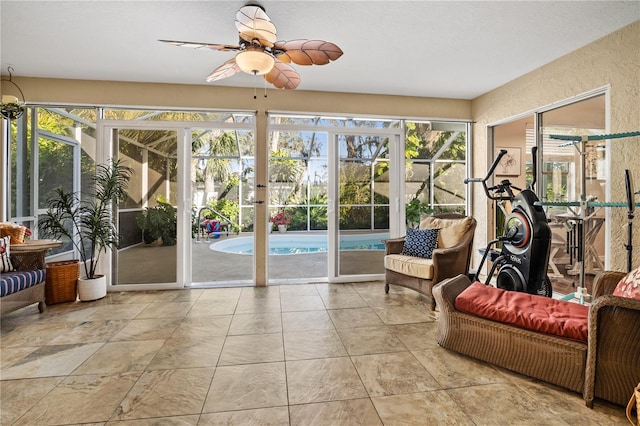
(451, 49)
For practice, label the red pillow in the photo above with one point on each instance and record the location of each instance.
(531, 312)
(629, 286)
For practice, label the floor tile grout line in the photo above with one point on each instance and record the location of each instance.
(284, 353)
(39, 399)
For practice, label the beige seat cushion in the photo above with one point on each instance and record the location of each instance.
(409, 265)
(451, 230)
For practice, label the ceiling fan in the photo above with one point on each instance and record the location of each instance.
(259, 52)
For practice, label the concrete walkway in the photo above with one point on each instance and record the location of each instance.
(156, 264)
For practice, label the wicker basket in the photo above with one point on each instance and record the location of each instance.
(16, 232)
(62, 281)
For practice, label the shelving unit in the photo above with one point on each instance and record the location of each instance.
(584, 214)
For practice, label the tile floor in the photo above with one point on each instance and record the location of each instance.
(315, 354)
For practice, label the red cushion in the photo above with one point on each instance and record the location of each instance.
(535, 313)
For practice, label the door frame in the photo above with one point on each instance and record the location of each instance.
(105, 152)
(536, 115)
(396, 193)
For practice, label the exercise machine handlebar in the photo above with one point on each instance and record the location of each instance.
(501, 154)
(504, 186)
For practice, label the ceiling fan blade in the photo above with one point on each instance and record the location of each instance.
(307, 52)
(283, 76)
(195, 45)
(253, 23)
(225, 70)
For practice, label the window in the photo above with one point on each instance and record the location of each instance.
(435, 164)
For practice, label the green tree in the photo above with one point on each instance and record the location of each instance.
(285, 175)
(424, 143)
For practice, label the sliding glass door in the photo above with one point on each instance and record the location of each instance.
(189, 203)
(150, 220)
(341, 186)
(562, 177)
(298, 197)
(560, 172)
(362, 210)
(222, 169)
(147, 219)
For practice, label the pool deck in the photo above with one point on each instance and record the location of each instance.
(143, 265)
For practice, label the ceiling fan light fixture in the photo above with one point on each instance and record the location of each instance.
(255, 61)
(259, 52)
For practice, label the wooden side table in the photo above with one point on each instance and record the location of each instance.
(30, 254)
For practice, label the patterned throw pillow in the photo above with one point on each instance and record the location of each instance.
(629, 286)
(420, 242)
(5, 261)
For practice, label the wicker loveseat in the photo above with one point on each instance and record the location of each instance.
(607, 366)
(450, 258)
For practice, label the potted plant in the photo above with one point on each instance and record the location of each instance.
(159, 222)
(10, 106)
(281, 219)
(89, 224)
(11, 110)
(414, 210)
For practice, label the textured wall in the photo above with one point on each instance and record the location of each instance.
(612, 62)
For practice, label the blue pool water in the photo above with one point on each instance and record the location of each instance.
(297, 244)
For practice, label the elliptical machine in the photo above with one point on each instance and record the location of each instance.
(524, 257)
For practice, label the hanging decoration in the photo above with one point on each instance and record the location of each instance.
(12, 107)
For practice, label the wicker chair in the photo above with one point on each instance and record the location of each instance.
(607, 367)
(613, 360)
(447, 262)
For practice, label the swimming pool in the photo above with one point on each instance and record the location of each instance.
(298, 244)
